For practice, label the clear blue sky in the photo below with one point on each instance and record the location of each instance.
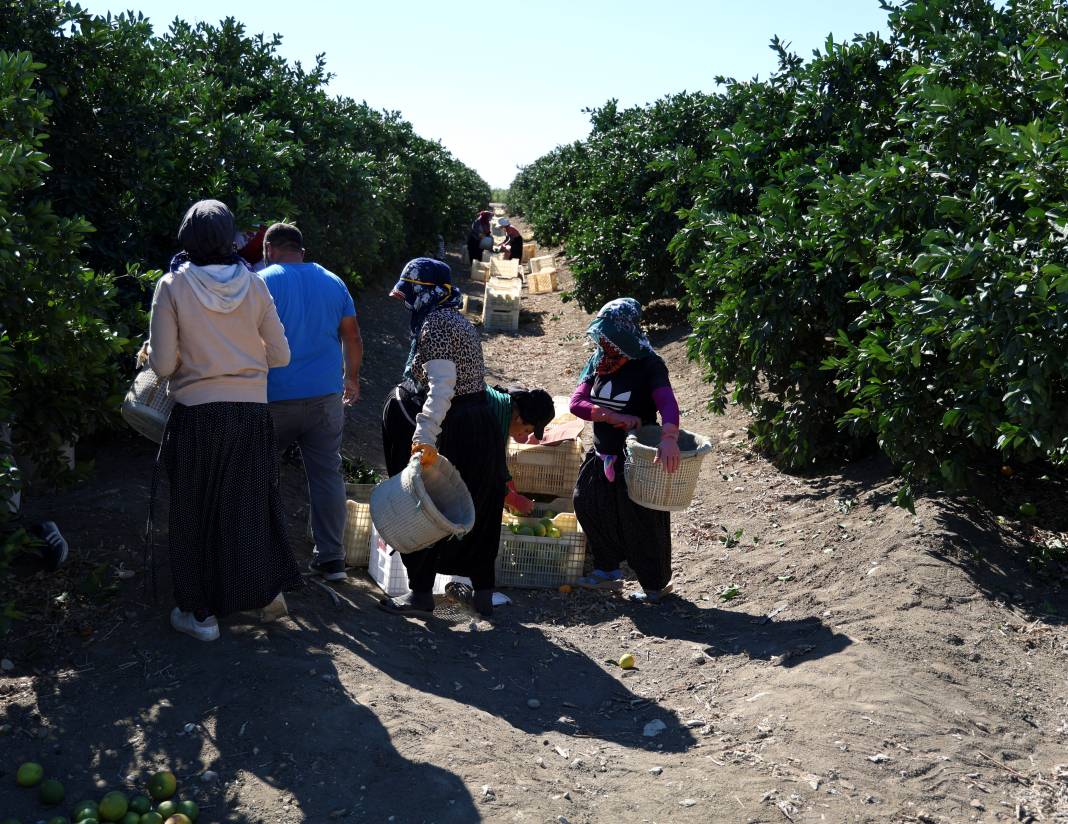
(500, 84)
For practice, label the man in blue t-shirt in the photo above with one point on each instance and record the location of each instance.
(307, 397)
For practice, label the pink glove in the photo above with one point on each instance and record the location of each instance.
(516, 502)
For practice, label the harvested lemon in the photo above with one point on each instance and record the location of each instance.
(152, 818)
(552, 532)
(178, 818)
(565, 588)
(29, 774)
(626, 661)
(51, 792)
(539, 530)
(1028, 510)
(131, 818)
(549, 515)
(167, 808)
(162, 785)
(189, 809)
(113, 806)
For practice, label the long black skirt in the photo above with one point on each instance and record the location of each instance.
(228, 546)
(617, 529)
(472, 440)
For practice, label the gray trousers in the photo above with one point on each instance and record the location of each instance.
(315, 425)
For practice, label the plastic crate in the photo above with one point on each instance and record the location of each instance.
(530, 561)
(538, 264)
(386, 569)
(500, 307)
(540, 283)
(480, 272)
(546, 469)
(501, 268)
(357, 536)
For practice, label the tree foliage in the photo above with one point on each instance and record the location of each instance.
(871, 244)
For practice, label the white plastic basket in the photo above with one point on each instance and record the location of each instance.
(147, 405)
(648, 484)
(421, 505)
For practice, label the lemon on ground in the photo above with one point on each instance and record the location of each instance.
(167, 808)
(51, 792)
(113, 806)
(189, 809)
(1028, 510)
(565, 588)
(626, 661)
(178, 818)
(29, 774)
(140, 804)
(152, 818)
(162, 785)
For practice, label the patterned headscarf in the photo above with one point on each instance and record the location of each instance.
(426, 285)
(620, 324)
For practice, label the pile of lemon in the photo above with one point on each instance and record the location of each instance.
(544, 528)
(114, 806)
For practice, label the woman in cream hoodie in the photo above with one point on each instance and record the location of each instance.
(215, 332)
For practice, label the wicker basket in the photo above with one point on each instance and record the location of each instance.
(148, 405)
(648, 484)
(421, 505)
(545, 470)
(530, 561)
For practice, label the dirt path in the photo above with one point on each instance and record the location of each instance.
(870, 668)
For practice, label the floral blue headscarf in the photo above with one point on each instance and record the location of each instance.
(620, 323)
(426, 285)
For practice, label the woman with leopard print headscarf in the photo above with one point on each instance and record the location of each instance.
(440, 406)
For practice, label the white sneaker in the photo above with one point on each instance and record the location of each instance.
(206, 630)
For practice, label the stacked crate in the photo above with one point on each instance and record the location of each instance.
(500, 307)
(501, 268)
(480, 272)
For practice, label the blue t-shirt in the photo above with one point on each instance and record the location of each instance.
(311, 303)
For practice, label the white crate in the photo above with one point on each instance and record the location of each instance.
(542, 262)
(500, 306)
(540, 283)
(480, 272)
(387, 569)
(545, 562)
(501, 268)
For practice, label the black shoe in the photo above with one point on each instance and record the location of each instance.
(414, 603)
(330, 570)
(481, 601)
(55, 549)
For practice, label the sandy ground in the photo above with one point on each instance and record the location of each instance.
(875, 666)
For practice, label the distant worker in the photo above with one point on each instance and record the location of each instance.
(512, 245)
(480, 236)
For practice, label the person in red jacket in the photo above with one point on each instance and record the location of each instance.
(512, 245)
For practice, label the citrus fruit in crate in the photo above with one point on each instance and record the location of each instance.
(167, 808)
(178, 818)
(131, 818)
(29, 774)
(84, 810)
(162, 785)
(51, 792)
(152, 818)
(539, 530)
(189, 809)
